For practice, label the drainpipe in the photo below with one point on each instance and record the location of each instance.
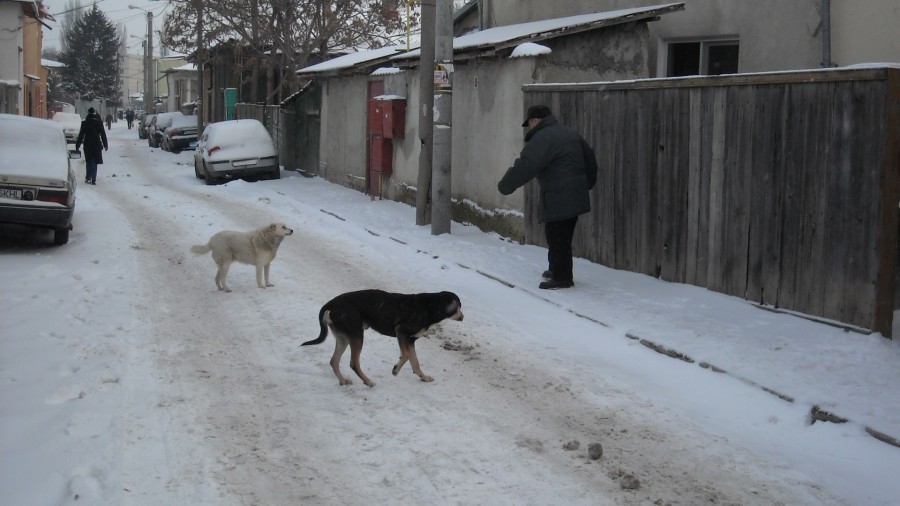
(481, 15)
(826, 34)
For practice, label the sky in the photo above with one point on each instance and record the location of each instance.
(126, 378)
(134, 20)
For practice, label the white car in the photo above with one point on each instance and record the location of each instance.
(240, 148)
(71, 123)
(37, 180)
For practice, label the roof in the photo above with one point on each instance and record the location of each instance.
(488, 41)
(361, 60)
(494, 39)
(187, 67)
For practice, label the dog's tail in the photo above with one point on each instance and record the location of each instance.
(323, 327)
(201, 249)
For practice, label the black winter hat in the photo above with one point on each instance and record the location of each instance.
(536, 111)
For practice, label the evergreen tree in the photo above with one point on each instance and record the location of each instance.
(91, 57)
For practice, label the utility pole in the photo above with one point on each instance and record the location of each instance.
(426, 114)
(151, 82)
(443, 115)
(199, 64)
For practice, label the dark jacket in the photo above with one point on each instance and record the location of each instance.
(564, 165)
(93, 136)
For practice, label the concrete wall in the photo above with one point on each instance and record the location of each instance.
(343, 129)
(865, 31)
(487, 116)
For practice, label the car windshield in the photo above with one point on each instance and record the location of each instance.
(232, 133)
(184, 122)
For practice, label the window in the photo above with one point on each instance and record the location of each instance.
(702, 57)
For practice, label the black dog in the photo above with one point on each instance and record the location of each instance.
(406, 317)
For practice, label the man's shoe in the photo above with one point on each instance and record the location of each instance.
(93, 182)
(555, 284)
(547, 275)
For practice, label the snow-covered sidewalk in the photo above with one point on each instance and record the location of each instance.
(127, 378)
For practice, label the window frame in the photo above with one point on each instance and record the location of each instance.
(705, 44)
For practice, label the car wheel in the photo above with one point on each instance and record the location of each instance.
(197, 170)
(276, 174)
(60, 236)
(210, 180)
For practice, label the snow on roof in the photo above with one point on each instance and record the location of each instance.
(383, 71)
(529, 49)
(511, 35)
(51, 63)
(186, 66)
(9, 82)
(352, 60)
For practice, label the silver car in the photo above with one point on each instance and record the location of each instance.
(37, 180)
(236, 149)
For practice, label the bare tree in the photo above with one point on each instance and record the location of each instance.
(288, 31)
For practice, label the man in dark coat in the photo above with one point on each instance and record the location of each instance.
(93, 136)
(566, 170)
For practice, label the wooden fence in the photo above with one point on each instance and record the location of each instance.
(778, 188)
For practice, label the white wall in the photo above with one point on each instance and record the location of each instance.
(865, 31)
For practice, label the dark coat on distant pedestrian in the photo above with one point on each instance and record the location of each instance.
(564, 165)
(93, 136)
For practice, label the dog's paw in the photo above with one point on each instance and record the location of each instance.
(395, 370)
(269, 285)
(426, 378)
(346, 382)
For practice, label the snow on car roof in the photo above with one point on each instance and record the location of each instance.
(32, 147)
(240, 138)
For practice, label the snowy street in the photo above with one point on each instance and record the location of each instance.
(127, 378)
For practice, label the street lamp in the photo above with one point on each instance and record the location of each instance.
(148, 62)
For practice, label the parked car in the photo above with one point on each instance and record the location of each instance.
(71, 123)
(37, 180)
(181, 134)
(158, 125)
(239, 148)
(144, 124)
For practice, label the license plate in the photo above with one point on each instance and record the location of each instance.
(10, 193)
(243, 163)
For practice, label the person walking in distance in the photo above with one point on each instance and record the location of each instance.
(566, 170)
(93, 136)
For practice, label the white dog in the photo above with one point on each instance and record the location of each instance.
(254, 248)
